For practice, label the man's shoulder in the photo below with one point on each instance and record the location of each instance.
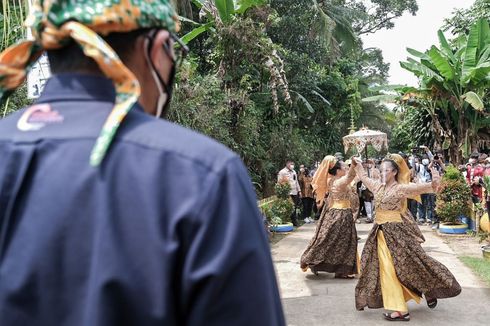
(284, 171)
(162, 135)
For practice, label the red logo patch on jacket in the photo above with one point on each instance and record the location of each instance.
(37, 117)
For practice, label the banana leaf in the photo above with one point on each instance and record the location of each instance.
(243, 5)
(474, 100)
(418, 54)
(226, 9)
(421, 71)
(196, 32)
(445, 47)
(441, 63)
(475, 45)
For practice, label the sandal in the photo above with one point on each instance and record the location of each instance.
(398, 317)
(432, 303)
(347, 277)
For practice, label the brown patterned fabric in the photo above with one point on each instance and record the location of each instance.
(412, 226)
(354, 198)
(305, 185)
(334, 246)
(414, 268)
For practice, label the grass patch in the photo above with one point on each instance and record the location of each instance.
(480, 266)
(277, 236)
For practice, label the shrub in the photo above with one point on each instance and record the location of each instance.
(454, 197)
(280, 209)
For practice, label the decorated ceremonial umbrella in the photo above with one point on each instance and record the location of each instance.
(364, 137)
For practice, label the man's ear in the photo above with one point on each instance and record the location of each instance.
(157, 52)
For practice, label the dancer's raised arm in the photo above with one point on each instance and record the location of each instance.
(346, 179)
(372, 184)
(414, 189)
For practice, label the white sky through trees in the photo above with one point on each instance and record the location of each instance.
(418, 32)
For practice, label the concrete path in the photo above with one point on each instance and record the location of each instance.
(322, 300)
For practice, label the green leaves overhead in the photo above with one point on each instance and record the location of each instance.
(226, 9)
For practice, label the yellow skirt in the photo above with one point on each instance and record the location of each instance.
(395, 295)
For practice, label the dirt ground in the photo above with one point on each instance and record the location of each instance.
(464, 245)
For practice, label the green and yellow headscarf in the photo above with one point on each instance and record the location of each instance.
(55, 22)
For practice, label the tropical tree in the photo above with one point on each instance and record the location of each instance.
(454, 82)
(463, 19)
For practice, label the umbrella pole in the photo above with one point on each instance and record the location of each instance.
(366, 154)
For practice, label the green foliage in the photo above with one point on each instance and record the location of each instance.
(462, 20)
(454, 82)
(279, 211)
(453, 174)
(454, 198)
(486, 183)
(373, 15)
(273, 79)
(282, 190)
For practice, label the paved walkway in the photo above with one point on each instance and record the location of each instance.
(322, 300)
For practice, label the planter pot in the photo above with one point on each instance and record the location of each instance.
(453, 229)
(485, 223)
(282, 227)
(485, 250)
(469, 221)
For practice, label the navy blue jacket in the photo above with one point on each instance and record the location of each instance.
(165, 232)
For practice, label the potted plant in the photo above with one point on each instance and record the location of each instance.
(279, 210)
(453, 202)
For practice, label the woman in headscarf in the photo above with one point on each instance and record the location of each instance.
(333, 248)
(394, 267)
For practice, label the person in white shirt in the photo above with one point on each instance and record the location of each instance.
(290, 175)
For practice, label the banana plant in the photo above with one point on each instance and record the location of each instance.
(454, 81)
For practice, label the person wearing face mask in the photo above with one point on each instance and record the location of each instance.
(289, 174)
(366, 195)
(412, 203)
(473, 168)
(307, 199)
(333, 248)
(93, 229)
(425, 208)
(395, 268)
(486, 172)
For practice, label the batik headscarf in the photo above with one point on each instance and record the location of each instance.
(403, 174)
(55, 22)
(322, 178)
